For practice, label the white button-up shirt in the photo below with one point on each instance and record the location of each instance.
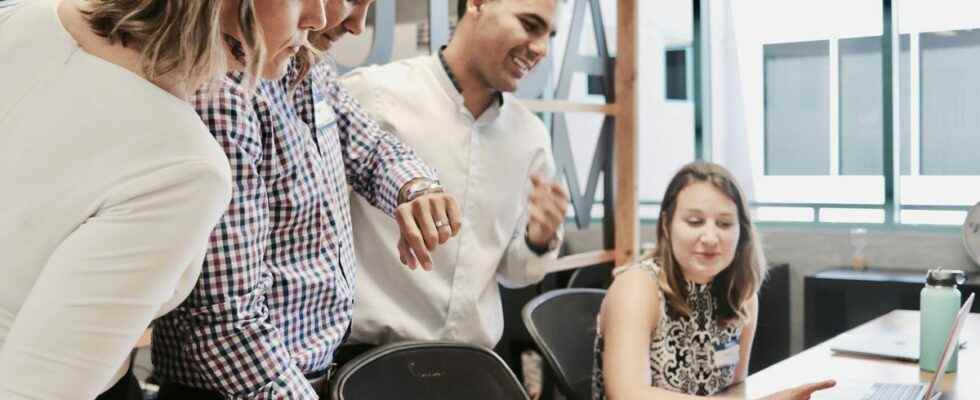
(486, 163)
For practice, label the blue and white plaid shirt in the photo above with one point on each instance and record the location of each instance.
(276, 291)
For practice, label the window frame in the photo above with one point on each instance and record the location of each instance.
(890, 192)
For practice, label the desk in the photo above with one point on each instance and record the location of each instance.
(818, 363)
(839, 299)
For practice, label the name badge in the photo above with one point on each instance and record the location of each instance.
(727, 354)
(323, 114)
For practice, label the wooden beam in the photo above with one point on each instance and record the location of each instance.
(567, 106)
(624, 144)
(581, 260)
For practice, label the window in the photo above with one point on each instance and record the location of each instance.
(943, 168)
(778, 91)
(949, 90)
(810, 85)
(676, 74)
(797, 89)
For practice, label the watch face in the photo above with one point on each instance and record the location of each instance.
(971, 233)
(420, 187)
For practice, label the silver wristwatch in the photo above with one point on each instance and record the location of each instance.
(418, 187)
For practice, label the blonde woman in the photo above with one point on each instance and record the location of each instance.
(680, 324)
(111, 182)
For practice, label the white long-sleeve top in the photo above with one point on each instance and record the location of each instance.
(486, 163)
(110, 187)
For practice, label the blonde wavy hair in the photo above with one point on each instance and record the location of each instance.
(737, 284)
(181, 37)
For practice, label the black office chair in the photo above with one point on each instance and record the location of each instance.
(594, 276)
(426, 370)
(563, 324)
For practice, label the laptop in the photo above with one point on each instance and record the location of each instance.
(899, 391)
(896, 346)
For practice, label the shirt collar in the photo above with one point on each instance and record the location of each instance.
(452, 77)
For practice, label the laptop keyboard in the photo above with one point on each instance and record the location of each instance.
(895, 391)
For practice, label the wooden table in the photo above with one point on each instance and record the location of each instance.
(818, 363)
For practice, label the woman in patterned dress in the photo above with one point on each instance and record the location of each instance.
(680, 324)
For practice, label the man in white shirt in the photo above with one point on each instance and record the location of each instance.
(490, 151)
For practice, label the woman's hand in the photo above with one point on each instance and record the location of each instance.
(801, 392)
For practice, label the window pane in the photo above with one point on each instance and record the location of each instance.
(676, 74)
(933, 217)
(905, 103)
(784, 214)
(776, 87)
(797, 93)
(950, 100)
(852, 215)
(861, 105)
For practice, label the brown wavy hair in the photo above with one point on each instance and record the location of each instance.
(736, 284)
(177, 36)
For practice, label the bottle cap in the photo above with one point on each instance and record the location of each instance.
(945, 277)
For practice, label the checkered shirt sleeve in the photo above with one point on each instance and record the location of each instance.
(230, 345)
(378, 164)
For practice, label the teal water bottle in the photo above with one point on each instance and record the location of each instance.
(939, 302)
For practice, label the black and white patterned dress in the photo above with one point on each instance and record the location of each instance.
(694, 355)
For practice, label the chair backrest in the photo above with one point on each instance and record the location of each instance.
(563, 324)
(426, 370)
(594, 276)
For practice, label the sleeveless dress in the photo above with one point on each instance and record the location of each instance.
(693, 355)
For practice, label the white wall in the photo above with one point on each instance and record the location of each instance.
(665, 127)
